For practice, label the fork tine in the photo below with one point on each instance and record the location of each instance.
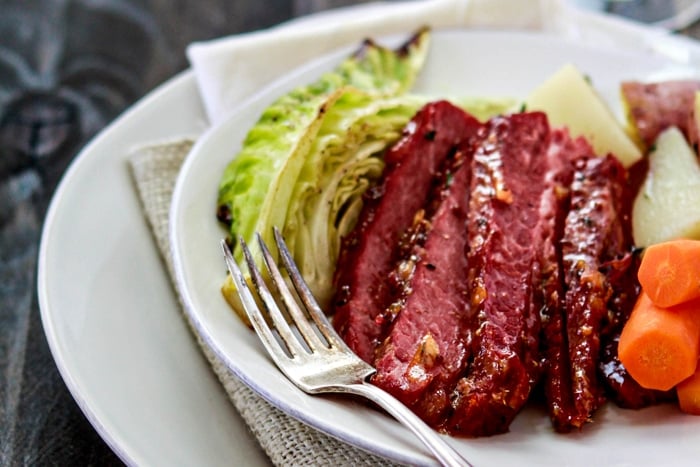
(306, 296)
(278, 319)
(252, 310)
(298, 316)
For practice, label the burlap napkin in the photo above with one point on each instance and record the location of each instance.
(286, 440)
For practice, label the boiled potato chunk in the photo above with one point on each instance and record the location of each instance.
(569, 100)
(668, 203)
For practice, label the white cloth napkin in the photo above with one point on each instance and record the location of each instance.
(231, 69)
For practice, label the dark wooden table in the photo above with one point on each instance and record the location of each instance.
(68, 68)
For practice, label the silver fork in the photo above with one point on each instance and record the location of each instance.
(317, 364)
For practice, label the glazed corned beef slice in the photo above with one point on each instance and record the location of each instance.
(370, 253)
(561, 157)
(595, 290)
(594, 234)
(427, 348)
(504, 240)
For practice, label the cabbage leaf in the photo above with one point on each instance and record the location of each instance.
(256, 186)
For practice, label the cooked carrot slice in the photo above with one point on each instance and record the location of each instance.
(689, 394)
(659, 347)
(670, 272)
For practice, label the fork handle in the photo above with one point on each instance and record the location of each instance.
(444, 453)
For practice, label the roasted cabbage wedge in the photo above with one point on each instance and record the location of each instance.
(256, 186)
(313, 153)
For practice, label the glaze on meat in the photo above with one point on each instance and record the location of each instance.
(428, 346)
(561, 158)
(372, 251)
(504, 238)
(492, 257)
(593, 235)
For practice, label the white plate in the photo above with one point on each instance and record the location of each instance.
(109, 311)
(463, 63)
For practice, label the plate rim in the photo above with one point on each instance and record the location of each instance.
(49, 223)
